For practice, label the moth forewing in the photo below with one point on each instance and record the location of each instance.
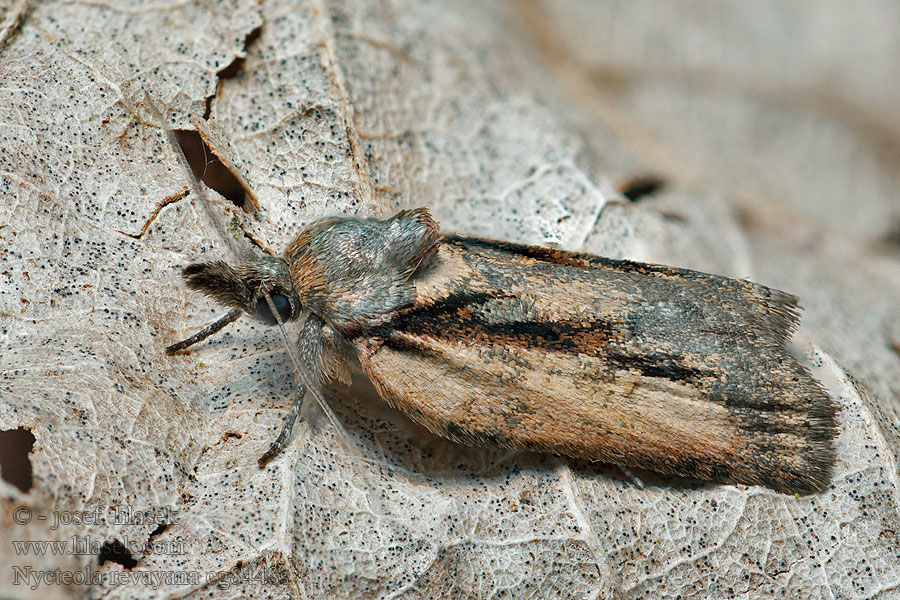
(648, 366)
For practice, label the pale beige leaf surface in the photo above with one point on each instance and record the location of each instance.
(515, 121)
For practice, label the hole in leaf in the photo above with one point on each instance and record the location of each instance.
(233, 69)
(237, 65)
(159, 529)
(892, 235)
(15, 466)
(115, 551)
(208, 168)
(894, 339)
(641, 186)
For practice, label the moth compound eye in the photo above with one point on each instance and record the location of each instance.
(282, 305)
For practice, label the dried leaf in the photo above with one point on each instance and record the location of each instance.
(517, 121)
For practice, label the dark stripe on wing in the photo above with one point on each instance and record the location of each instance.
(458, 318)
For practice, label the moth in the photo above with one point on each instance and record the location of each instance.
(488, 342)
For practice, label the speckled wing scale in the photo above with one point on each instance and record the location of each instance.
(492, 343)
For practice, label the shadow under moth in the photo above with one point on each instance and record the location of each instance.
(493, 343)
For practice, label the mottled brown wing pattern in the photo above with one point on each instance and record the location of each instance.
(648, 366)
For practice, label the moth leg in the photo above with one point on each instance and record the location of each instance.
(323, 349)
(285, 434)
(204, 333)
(318, 363)
(315, 363)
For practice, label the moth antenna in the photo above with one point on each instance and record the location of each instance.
(196, 188)
(199, 193)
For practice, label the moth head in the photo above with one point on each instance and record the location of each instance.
(245, 287)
